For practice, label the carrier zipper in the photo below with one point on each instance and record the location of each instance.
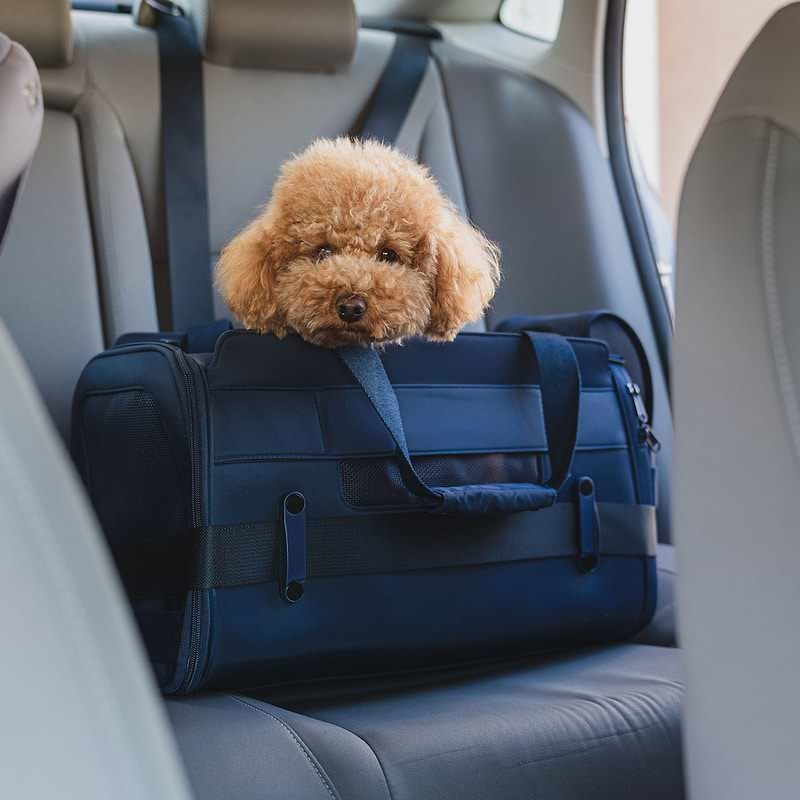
(196, 453)
(632, 418)
(646, 433)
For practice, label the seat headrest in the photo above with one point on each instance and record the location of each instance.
(314, 35)
(42, 27)
(762, 85)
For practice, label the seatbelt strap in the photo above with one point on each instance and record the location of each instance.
(238, 555)
(397, 88)
(183, 144)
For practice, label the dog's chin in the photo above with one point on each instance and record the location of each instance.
(345, 336)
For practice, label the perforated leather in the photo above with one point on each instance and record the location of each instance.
(20, 122)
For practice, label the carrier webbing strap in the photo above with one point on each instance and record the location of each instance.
(237, 555)
(183, 144)
(396, 89)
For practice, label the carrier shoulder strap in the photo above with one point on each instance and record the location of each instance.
(560, 384)
(185, 186)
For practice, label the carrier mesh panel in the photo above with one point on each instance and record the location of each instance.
(133, 475)
(377, 482)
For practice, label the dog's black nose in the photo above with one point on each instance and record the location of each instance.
(351, 308)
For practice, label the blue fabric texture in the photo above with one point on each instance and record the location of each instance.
(241, 429)
(561, 390)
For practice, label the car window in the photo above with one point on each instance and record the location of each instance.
(537, 18)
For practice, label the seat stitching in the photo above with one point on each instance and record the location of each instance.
(297, 741)
(107, 229)
(373, 751)
(775, 318)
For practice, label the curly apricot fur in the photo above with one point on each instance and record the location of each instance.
(358, 199)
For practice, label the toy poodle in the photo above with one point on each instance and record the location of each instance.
(358, 246)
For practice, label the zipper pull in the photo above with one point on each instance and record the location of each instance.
(646, 434)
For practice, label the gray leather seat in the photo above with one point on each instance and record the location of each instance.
(76, 267)
(600, 724)
(737, 373)
(20, 122)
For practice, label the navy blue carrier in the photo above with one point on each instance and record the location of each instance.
(282, 512)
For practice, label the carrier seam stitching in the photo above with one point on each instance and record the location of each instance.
(321, 423)
(296, 739)
(374, 753)
(780, 355)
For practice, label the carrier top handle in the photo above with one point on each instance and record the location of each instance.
(560, 383)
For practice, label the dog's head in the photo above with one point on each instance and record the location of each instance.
(358, 246)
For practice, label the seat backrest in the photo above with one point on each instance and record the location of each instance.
(737, 471)
(81, 718)
(65, 289)
(20, 122)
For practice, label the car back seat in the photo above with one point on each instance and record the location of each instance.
(598, 724)
(75, 271)
(82, 254)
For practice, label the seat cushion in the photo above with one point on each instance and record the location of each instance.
(594, 724)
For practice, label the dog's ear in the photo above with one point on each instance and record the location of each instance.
(245, 275)
(467, 274)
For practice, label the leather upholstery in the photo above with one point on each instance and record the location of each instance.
(20, 122)
(48, 276)
(42, 27)
(598, 724)
(81, 718)
(316, 35)
(737, 371)
(78, 242)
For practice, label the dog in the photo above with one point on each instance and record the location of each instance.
(358, 246)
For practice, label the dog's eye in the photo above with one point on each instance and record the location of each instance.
(323, 252)
(388, 255)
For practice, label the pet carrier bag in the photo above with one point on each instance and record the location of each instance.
(281, 512)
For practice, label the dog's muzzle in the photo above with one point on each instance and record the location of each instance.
(351, 308)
